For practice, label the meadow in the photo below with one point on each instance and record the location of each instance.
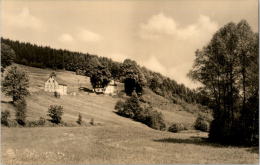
(113, 139)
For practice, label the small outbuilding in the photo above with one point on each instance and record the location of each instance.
(52, 85)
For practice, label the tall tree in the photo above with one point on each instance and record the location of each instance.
(133, 77)
(223, 68)
(100, 77)
(15, 84)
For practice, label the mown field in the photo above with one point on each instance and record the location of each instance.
(113, 140)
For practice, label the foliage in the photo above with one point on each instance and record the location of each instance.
(20, 114)
(55, 112)
(5, 115)
(119, 106)
(201, 123)
(79, 121)
(100, 77)
(176, 127)
(15, 84)
(133, 75)
(53, 74)
(7, 56)
(228, 69)
(56, 94)
(37, 123)
(92, 122)
(132, 109)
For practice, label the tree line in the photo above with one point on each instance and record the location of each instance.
(100, 69)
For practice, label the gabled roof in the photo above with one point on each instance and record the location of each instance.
(59, 81)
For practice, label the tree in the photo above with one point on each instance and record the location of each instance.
(100, 77)
(225, 67)
(79, 121)
(133, 77)
(55, 112)
(53, 74)
(15, 84)
(20, 113)
(7, 56)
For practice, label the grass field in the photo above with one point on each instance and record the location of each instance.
(116, 140)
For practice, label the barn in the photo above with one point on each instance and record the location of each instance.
(52, 85)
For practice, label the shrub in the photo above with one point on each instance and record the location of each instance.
(119, 106)
(56, 94)
(79, 121)
(40, 122)
(92, 121)
(5, 117)
(20, 111)
(176, 127)
(55, 112)
(201, 123)
(132, 108)
(155, 120)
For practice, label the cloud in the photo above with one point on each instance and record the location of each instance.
(160, 25)
(170, 46)
(88, 36)
(154, 64)
(66, 38)
(23, 20)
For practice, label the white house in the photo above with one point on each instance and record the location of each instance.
(111, 88)
(51, 85)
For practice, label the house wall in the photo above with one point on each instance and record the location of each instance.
(52, 85)
(110, 90)
(62, 90)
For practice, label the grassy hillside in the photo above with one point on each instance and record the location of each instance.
(116, 140)
(89, 105)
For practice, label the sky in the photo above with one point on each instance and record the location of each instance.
(160, 35)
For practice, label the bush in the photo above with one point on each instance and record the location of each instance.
(132, 108)
(5, 117)
(56, 94)
(92, 121)
(40, 122)
(55, 112)
(155, 120)
(176, 127)
(79, 121)
(201, 124)
(20, 111)
(119, 106)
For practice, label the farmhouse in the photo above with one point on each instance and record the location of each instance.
(111, 88)
(51, 85)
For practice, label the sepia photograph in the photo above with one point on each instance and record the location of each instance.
(129, 82)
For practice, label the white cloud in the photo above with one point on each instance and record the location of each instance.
(66, 38)
(170, 46)
(23, 20)
(154, 64)
(88, 36)
(160, 26)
